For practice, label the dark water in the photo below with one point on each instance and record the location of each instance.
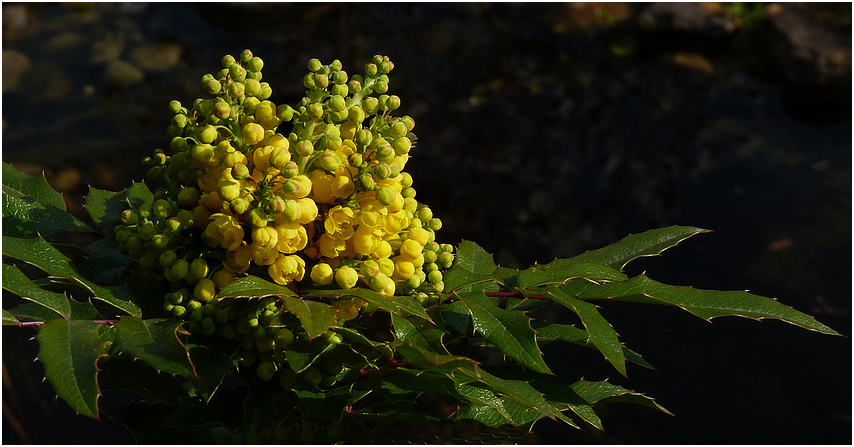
(544, 131)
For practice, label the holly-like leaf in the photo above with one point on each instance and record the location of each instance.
(483, 399)
(211, 361)
(547, 333)
(475, 259)
(154, 342)
(510, 331)
(518, 390)
(16, 282)
(395, 304)
(472, 270)
(706, 304)
(302, 354)
(126, 374)
(41, 254)
(138, 194)
(419, 332)
(648, 243)
(253, 287)
(603, 391)
(318, 405)
(9, 319)
(456, 316)
(70, 352)
(519, 414)
(423, 358)
(32, 207)
(557, 272)
(316, 317)
(105, 207)
(561, 395)
(395, 385)
(599, 331)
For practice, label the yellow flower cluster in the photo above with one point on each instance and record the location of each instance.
(331, 197)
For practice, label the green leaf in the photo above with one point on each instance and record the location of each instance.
(401, 384)
(267, 404)
(126, 374)
(603, 391)
(475, 259)
(254, 287)
(70, 352)
(211, 361)
(482, 399)
(460, 278)
(41, 254)
(395, 304)
(36, 187)
(33, 312)
(138, 194)
(517, 390)
(318, 405)
(510, 331)
(559, 271)
(424, 358)
(354, 335)
(706, 304)
(155, 342)
(9, 319)
(457, 317)
(419, 332)
(599, 331)
(105, 207)
(224, 409)
(648, 243)
(32, 207)
(303, 353)
(547, 333)
(519, 414)
(316, 317)
(16, 282)
(561, 395)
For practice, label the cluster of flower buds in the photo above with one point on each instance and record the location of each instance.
(326, 206)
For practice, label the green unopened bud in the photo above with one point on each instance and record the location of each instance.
(213, 86)
(393, 102)
(202, 153)
(162, 209)
(199, 268)
(236, 89)
(355, 160)
(257, 218)
(321, 80)
(207, 134)
(179, 121)
(346, 277)
(186, 218)
(364, 137)
(222, 110)
(314, 111)
(145, 210)
(434, 276)
(239, 206)
(401, 145)
(255, 64)
(370, 105)
(408, 192)
(178, 144)
(289, 170)
(356, 115)
(446, 259)
(237, 72)
(386, 195)
(435, 224)
(245, 56)
(252, 87)
(123, 236)
(336, 103)
(249, 105)
(305, 148)
(279, 157)
(378, 282)
(339, 77)
(413, 282)
(227, 61)
(240, 171)
(285, 112)
(173, 131)
(382, 171)
(266, 91)
(381, 87)
(175, 106)
(173, 225)
(367, 182)
(398, 129)
(205, 107)
(314, 65)
(308, 81)
(160, 241)
(147, 231)
(384, 152)
(168, 258)
(291, 211)
(129, 217)
(330, 161)
(371, 69)
(354, 87)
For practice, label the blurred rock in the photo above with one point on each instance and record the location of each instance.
(693, 61)
(14, 65)
(123, 74)
(705, 21)
(159, 57)
(107, 49)
(17, 22)
(64, 41)
(580, 15)
(65, 180)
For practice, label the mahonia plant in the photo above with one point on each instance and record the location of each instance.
(278, 282)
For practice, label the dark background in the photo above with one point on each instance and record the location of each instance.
(544, 130)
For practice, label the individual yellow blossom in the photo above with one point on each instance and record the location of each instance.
(348, 131)
(400, 160)
(302, 188)
(384, 251)
(366, 240)
(397, 205)
(292, 237)
(239, 258)
(389, 290)
(386, 266)
(339, 222)
(205, 290)
(209, 181)
(403, 270)
(322, 274)
(309, 210)
(276, 140)
(321, 186)
(372, 214)
(226, 230)
(410, 249)
(265, 238)
(329, 247)
(419, 235)
(211, 202)
(342, 185)
(262, 256)
(395, 222)
(418, 261)
(234, 158)
(287, 268)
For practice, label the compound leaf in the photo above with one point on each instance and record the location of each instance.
(16, 282)
(316, 317)
(603, 391)
(155, 342)
(648, 243)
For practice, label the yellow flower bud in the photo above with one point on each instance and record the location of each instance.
(419, 235)
(384, 251)
(265, 238)
(225, 229)
(403, 270)
(410, 249)
(322, 274)
(309, 210)
(321, 185)
(205, 290)
(366, 240)
(292, 237)
(252, 133)
(223, 277)
(239, 258)
(386, 266)
(346, 277)
(329, 247)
